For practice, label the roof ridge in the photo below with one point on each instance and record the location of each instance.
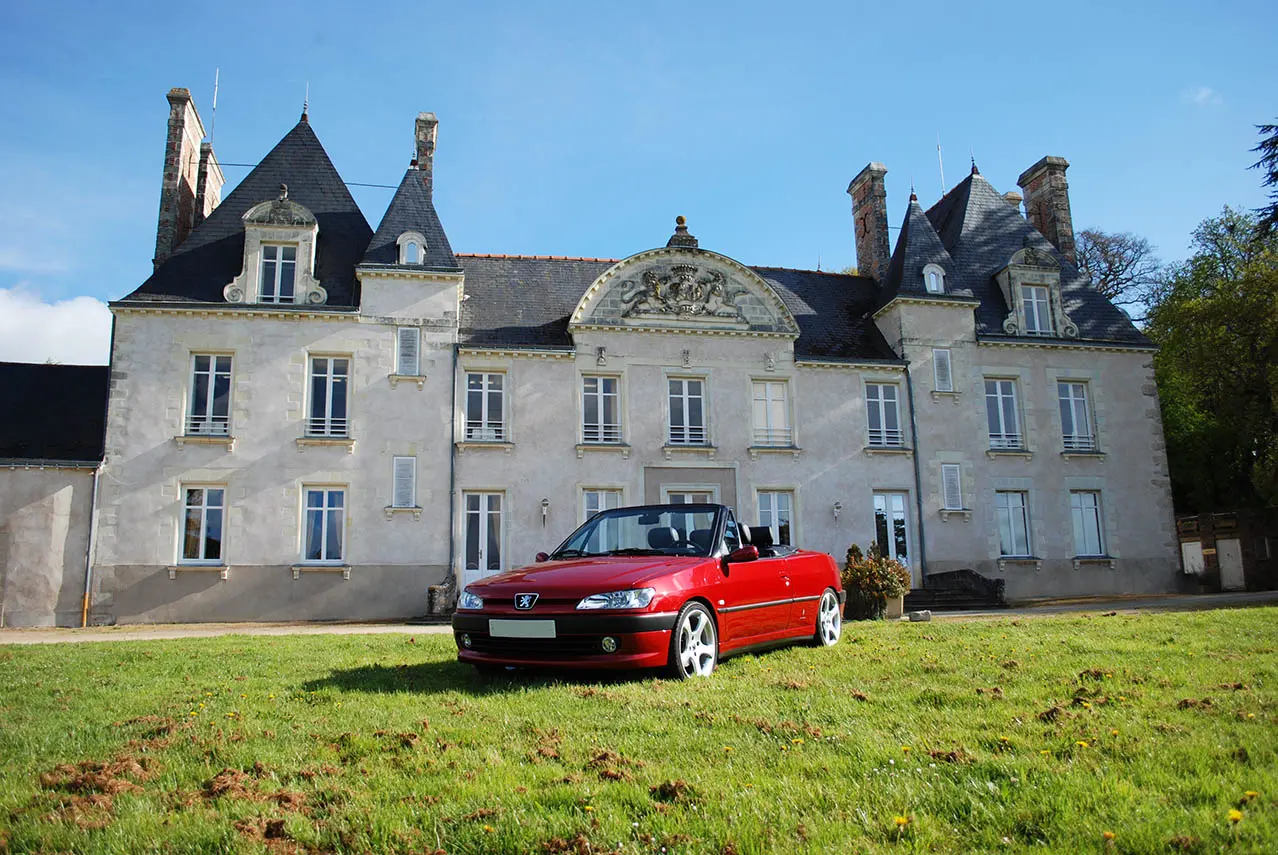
(534, 257)
(804, 270)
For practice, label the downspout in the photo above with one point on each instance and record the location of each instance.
(452, 474)
(918, 477)
(93, 498)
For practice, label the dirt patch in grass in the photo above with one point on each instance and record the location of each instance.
(611, 766)
(90, 776)
(482, 813)
(1194, 704)
(1053, 713)
(992, 691)
(578, 845)
(958, 755)
(673, 792)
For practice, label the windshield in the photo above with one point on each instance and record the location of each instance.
(654, 530)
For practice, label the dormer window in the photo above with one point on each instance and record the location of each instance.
(412, 248)
(279, 271)
(1038, 310)
(934, 279)
(1031, 285)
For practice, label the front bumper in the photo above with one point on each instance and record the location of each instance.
(643, 640)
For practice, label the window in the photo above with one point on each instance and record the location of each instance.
(408, 351)
(325, 529)
(1000, 410)
(600, 410)
(411, 248)
(202, 539)
(942, 370)
(1076, 422)
(484, 408)
(482, 535)
(771, 414)
(209, 411)
(885, 419)
(1084, 507)
(687, 411)
(279, 268)
(1038, 314)
(329, 376)
(776, 512)
(593, 501)
(412, 254)
(934, 279)
(891, 526)
(952, 486)
(404, 482)
(1012, 512)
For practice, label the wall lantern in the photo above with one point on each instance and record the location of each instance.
(838, 506)
(545, 509)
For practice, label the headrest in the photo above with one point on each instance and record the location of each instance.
(761, 537)
(702, 538)
(662, 538)
(745, 534)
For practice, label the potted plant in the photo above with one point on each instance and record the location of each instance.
(871, 580)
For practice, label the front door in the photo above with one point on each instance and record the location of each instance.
(892, 530)
(482, 536)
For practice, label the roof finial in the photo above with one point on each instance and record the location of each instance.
(914, 197)
(306, 103)
(975, 171)
(681, 236)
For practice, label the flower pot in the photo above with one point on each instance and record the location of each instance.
(895, 607)
(863, 606)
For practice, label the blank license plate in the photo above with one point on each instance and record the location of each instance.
(521, 628)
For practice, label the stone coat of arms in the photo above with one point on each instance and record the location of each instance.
(681, 290)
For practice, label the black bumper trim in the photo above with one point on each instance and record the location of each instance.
(574, 624)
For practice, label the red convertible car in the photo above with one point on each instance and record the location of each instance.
(659, 586)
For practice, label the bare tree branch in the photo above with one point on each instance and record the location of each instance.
(1120, 265)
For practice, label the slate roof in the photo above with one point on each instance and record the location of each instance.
(411, 210)
(982, 231)
(526, 301)
(52, 412)
(213, 254)
(917, 246)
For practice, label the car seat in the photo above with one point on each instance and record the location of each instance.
(662, 537)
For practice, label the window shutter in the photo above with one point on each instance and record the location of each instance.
(952, 485)
(405, 488)
(409, 338)
(941, 364)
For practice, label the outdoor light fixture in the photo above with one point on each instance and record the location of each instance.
(838, 506)
(545, 509)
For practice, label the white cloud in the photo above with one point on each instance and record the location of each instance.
(1201, 96)
(73, 332)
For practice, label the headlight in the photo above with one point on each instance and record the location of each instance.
(637, 598)
(470, 601)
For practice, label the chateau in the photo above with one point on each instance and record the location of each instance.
(309, 418)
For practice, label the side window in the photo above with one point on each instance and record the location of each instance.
(731, 537)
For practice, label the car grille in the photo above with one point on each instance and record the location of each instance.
(566, 647)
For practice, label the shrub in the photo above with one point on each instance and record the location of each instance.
(874, 575)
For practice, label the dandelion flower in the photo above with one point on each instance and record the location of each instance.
(1251, 715)
(489, 829)
(1235, 815)
(1004, 739)
(727, 748)
(905, 749)
(796, 741)
(1113, 732)
(1045, 752)
(589, 808)
(1251, 794)
(901, 821)
(1082, 743)
(1108, 835)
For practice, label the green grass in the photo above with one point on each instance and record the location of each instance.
(1000, 735)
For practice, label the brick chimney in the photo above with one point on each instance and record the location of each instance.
(427, 129)
(182, 165)
(208, 184)
(1047, 203)
(869, 216)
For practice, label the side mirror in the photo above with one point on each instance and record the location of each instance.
(541, 556)
(743, 553)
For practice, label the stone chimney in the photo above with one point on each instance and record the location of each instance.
(869, 216)
(182, 162)
(427, 129)
(1047, 203)
(208, 184)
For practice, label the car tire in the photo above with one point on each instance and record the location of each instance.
(829, 620)
(694, 643)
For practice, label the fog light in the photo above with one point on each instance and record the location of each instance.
(609, 644)
(465, 640)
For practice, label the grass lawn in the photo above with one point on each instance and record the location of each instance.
(999, 735)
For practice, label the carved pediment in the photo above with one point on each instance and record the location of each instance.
(683, 288)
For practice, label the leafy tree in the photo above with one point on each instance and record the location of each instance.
(1120, 265)
(1267, 148)
(1215, 319)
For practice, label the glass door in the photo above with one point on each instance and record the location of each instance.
(892, 529)
(482, 536)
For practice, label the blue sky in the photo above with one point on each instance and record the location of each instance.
(584, 128)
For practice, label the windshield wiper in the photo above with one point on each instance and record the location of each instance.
(570, 553)
(634, 550)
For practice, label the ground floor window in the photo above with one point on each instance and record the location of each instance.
(892, 526)
(482, 536)
(1084, 507)
(594, 500)
(776, 512)
(1012, 510)
(202, 538)
(325, 524)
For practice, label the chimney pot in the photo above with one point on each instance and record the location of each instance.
(869, 214)
(425, 134)
(1014, 199)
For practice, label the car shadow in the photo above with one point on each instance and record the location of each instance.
(434, 678)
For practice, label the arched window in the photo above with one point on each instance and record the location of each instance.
(934, 279)
(412, 248)
(410, 252)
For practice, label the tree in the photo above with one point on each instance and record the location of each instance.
(1267, 148)
(1121, 265)
(1215, 320)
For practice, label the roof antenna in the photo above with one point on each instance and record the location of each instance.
(213, 125)
(818, 262)
(940, 161)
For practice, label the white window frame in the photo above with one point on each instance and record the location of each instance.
(669, 492)
(597, 499)
(321, 422)
(769, 504)
(402, 244)
(1006, 437)
(325, 508)
(408, 365)
(878, 402)
(1072, 396)
(201, 420)
(404, 468)
(481, 427)
(1088, 523)
(206, 506)
(951, 473)
(888, 498)
(269, 289)
(934, 279)
(1012, 507)
(485, 515)
(601, 432)
(942, 383)
(770, 413)
(1036, 304)
(687, 433)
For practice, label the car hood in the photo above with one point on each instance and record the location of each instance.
(583, 576)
